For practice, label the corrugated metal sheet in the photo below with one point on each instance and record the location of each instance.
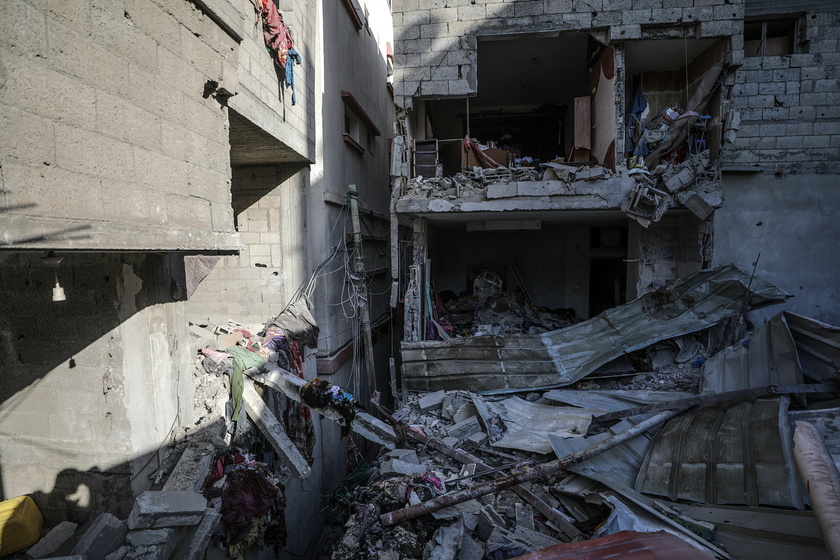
(769, 357)
(492, 364)
(627, 545)
(690, 305)
(621, 463)
(482, 364)
(725, 454)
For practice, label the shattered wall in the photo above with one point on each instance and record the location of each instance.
(436, 46)
(92, 386)
(106, 140)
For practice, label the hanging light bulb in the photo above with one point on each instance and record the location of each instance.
(52, 260)
(58, 291)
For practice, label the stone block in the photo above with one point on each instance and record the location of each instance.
(50, 542)
(166, 509)
(465, 428)
(431, 401)
(105, 535)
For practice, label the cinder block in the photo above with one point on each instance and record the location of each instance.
(431, 401)
(465, 428)
(166, 509)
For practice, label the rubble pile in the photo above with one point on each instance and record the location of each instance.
(503, 313)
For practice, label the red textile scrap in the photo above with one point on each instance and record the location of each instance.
(246, 495)
(278, 38)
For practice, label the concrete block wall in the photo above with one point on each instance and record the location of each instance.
(436, 44)
(92, 386)
(790, 119)
(255, 285)
(105, 132)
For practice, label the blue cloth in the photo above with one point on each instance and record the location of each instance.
(293, 58)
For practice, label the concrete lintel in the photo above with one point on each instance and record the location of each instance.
(274, 432)
(44, 233)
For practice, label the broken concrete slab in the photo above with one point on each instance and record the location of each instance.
(590, 173)
(105, 535)
(51, 542)
(431, 401)
(407, 455)
(153, 510)
(528, 424)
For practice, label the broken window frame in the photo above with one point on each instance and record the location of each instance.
(796, 37)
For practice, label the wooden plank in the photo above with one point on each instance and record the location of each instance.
(258, 411)
(583, 122)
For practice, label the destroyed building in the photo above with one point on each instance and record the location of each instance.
(510, 176)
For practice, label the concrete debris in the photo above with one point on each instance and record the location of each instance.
(53, 540)
(162, 526)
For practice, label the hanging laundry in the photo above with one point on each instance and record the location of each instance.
(279, 41)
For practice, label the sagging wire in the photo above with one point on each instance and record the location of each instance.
(306, 289)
